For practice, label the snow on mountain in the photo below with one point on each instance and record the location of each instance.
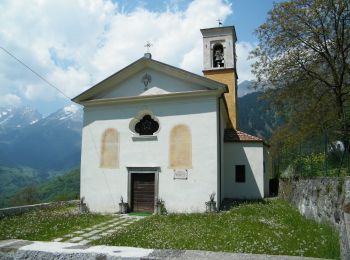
(52, 142)
(70, 116)
(18, 117)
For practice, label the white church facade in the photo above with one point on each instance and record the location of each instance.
(156, 132)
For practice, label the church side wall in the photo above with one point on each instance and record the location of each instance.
(252, 156)
(224, 121)
(267, 171)
(102, 188)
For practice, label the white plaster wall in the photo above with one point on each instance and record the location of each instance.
(134, 86)
(252, 156)
(102, 188)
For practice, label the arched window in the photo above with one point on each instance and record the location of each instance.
(110, 149)
(218, 55)
(180, 149)
(146, 126)
(144, 123)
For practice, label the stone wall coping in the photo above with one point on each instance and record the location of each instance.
(25, 208)
(314, 178)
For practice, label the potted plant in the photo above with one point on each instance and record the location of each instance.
(160, 207)
(123, 206)
(83, 208)
(211, 204)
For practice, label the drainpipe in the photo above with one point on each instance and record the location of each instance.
(219, 143)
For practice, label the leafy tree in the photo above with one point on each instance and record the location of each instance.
(303, 63)
(27, 196)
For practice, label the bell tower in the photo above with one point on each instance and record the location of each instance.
(219, 63)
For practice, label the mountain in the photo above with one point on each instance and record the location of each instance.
(70, 117)
(244, 88)
(50, 143)
(256, 117)
(18, 117)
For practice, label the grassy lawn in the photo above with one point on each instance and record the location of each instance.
(270, 227)
(47, 224)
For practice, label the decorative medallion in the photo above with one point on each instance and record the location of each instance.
(146, 126)
(146, 79)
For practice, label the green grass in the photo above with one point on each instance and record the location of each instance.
(47, 224)
(270, 227)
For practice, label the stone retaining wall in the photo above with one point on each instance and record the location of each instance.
(22, 209)
(325, 200)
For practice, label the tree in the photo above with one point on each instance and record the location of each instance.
(27, 196)
(303, 63)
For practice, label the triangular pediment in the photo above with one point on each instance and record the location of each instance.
(147, 77)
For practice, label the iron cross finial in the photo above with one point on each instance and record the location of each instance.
(219, 21)
(148, 45)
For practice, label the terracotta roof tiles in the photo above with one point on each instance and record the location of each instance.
(233, 135)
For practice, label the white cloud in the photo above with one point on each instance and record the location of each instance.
(243, 64)
(71, 80)
(10, 100)
(75, 44)
(38, 92)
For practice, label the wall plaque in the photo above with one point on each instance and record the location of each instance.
(180, 175)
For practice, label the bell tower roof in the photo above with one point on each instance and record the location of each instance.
(222, 30)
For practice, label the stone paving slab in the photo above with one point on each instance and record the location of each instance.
(75, 239)
(89, 234)
(79, 232)
(57, 239)
(22, 249)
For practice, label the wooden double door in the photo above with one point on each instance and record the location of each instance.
(143, 192)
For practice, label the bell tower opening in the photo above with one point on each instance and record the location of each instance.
(219, 63)
(218, 56)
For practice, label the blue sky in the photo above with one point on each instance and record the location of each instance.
(75, 44)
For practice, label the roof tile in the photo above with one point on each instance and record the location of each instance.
(233, 135)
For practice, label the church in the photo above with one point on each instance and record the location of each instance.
(153, 132)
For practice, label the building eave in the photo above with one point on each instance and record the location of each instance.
(108, 101)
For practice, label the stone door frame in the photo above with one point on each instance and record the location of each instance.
(144, 170)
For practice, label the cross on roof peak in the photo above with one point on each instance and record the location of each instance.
(219, 21)
(148, 46)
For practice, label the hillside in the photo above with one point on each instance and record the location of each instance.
(14, 179)
(255, 117)
(64, 187)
